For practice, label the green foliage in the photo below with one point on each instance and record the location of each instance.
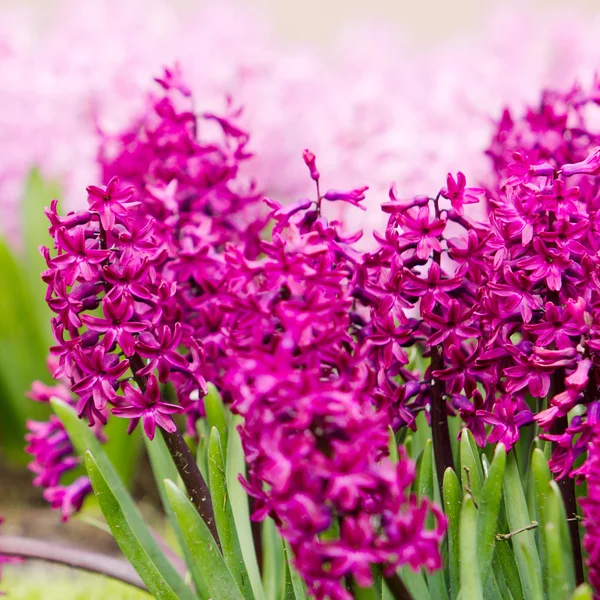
(205, 555)
(124, 519)
(133, 538)
(507, 537)
(507, 532)
(230, 544)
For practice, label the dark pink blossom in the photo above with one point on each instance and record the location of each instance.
(459, 194)
(147, 406)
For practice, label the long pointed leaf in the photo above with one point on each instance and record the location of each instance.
(471, 472)
(216, 414)
(230, 544)
(452, 505)
(415, 582)
(297, 583)
(163, 468)
(489, 510)
(23, 351)
(234, 467)
(273, 561)
(505, 563)
(470, 581)
(128, 539)
(558, 546)
(525, 549)
(203, 549)
(84, 440)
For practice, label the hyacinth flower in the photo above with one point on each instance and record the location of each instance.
(315, 446)
(505, 309)
(98, 354)
(166, 220)
(165, 280)
(433, 306)
(169, 280)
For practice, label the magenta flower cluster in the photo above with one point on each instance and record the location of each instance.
(147, 258)
(506, 309)
(166, 279)
(182, 275)
(54, 455)
(186, 170)
(315, 441)
(547, 216)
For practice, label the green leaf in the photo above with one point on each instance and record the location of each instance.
(524, 546)
(232, 553)
(421, 434)
(470, 581)
(454, 427)
(273, 560)
(203, 549)
(393, 446)
(163, 468)
(504, 562)
(39, 194)
(452, 506)
(23, 351)
(559, 552)
(425, 473)
(541, 478)
(436, 582)
(234, 467)
(288, 588)
(126, 532)
(471, 473)
(84, 440)
(216, 413)
(415, 582)
(425, 489)
(361, 593)
(489, 511)
(297, 582)
(408, 447)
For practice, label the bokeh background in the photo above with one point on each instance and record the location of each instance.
(382, 90)
(314, 21)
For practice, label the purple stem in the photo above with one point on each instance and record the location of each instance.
(397, 588)
(442, 447)
(184, 461)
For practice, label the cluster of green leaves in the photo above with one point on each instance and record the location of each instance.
(24, 319)
(228, 572)
(507, 529)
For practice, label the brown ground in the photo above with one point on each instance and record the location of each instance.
(26, 513)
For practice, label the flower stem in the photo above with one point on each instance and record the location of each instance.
(397, 588)
(567, 490)
(184, 461)
(93, 562)
(442, 448)
(192, 478)
(567, 484)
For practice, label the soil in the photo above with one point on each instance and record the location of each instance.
(26, 513)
